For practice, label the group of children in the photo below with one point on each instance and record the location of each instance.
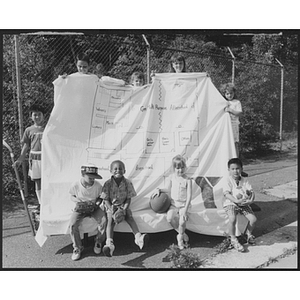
(118, 191)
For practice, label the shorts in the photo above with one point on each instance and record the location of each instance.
(35, 165)
(175, 212)
(232, 210)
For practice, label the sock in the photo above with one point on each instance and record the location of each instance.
(138, 235)
(38, 194)
(109, 241)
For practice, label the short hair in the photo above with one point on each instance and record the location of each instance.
(83, 57)
(117, 162)
(228, 87)
(236, 161)
(36, 108)
(177, 58)
(178, 160)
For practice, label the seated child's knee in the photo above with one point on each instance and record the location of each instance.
(170, 215)
(232, 218)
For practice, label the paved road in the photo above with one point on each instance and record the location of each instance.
(20, 249)
(288, 262)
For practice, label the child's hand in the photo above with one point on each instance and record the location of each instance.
(239, 201)
(227, 109)
(17, 163)
(98, 201)
(248, 201)
(156, 193)
(63, 76)
(185, 216)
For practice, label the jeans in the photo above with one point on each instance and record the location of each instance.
(76, 218)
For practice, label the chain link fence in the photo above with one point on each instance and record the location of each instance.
(38, 59)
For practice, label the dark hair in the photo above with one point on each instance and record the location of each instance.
(117, 162)
(83, 57)
(228, 87)
(138, 75)
(176, 58)
(36, 108)
(236, 161)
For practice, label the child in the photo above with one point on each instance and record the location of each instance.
(117, 194)
(179, 188)
(238, 195)
(137, 79)
(87, 191)
(83, 62)
(31, 141)
(177, 64)
(234, 108)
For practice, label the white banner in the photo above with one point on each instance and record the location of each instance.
(97, 121)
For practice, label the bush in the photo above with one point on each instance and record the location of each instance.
(183, 259)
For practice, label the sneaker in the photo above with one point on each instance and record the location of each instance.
(97, 248)
(237, 246)
(180, 241)
(141, 240)
(251, 239)
(76, 254)
(108, 250)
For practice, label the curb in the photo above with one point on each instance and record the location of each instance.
(268, 246)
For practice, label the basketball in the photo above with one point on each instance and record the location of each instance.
(160, 204)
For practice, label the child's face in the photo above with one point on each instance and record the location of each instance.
(82, 66)
(137, 82)
(37, 117)
(88, 180)
(235, 171)
(178, 66)
(117, 170)
(229, 95)
(179, 170)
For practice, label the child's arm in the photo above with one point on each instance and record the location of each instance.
(232, 111)
(127, 203)
(108, 204)
(228, 196)
(166, 189)
(21, 158)
(234, 108)
(75, 199)
(250, 200)
(63, 76)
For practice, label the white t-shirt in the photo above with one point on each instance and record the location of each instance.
(86, 194)
(178, 189)
(230, 186)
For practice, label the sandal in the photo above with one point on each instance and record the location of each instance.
(251, 239)
(236, 245)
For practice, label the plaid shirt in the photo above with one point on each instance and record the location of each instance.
(117, 195)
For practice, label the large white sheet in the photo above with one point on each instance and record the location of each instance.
(94, 121)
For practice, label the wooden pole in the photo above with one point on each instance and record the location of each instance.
(281, 103)
(233, 65)
(20, 110)
(148, 58)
